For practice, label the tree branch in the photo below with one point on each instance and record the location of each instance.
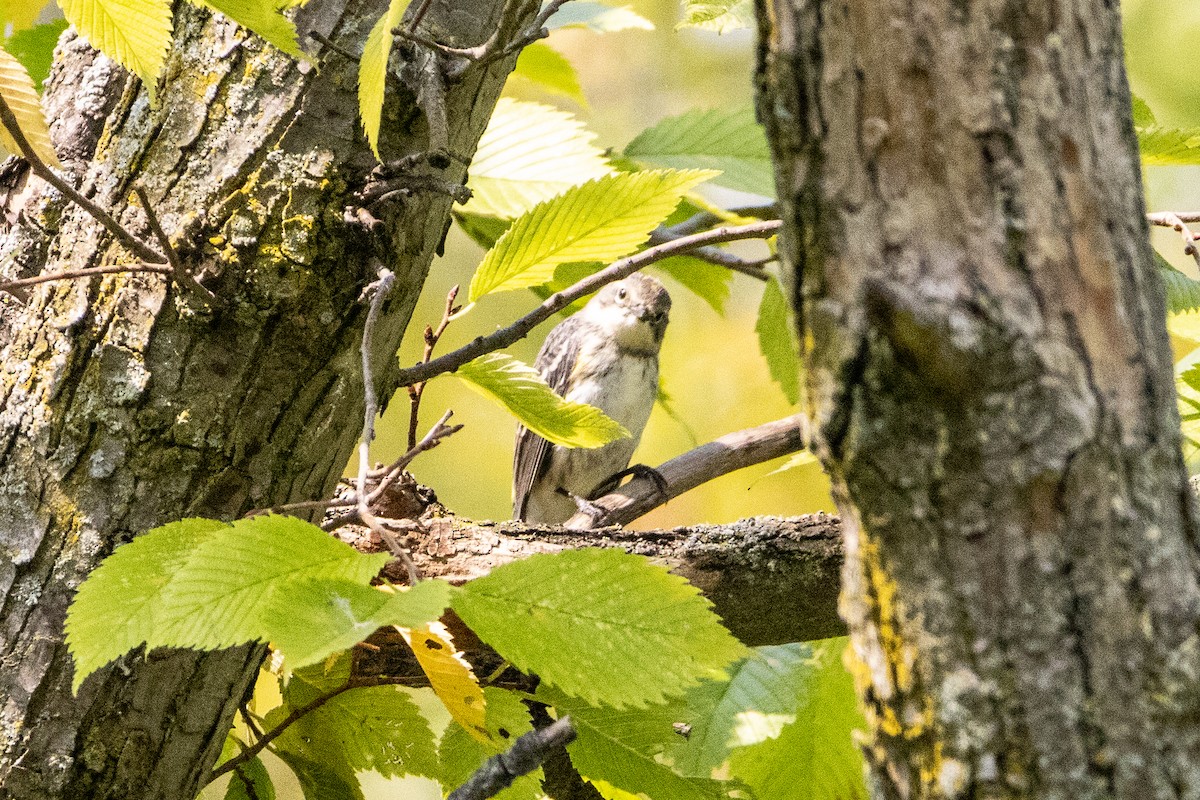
(39, 167)
(560, 300)
(1177, 220)
(526, 754)
(727, 454)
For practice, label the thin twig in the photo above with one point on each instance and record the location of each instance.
(377, 291)
(526, 754)
(683, 473)
(560, 300)
(39, 167)
(87, 272)
(325, 41)
(431, 339)
(183, 278)
(273, 734)
(1177, 220)
(432, 439)
(714, 255)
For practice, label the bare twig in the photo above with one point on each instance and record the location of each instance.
(183, 278)
(714, 255)
(1177, 220)
(431, 339)
(560, 300)
(88, 272)
(683, 473)
(273, 734)
(526, 754)
(39, 167)
(432, 439)
(377, 291)
(325, 41)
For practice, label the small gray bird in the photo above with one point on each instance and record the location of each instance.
(606, 355)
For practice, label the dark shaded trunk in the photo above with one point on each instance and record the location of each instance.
(990, 380)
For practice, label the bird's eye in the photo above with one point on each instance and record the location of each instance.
(621, 294)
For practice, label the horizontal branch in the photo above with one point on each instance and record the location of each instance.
(771, 579)
(560, 300)
(719, 457)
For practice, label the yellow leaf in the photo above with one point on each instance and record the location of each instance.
(16, 87)
(372, 71)
(134, 33)
(450, 677)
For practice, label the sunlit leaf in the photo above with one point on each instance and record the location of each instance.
(815, 757)
(528, 154)
(541, 64)
(16, 87)
(719, 16)
(777, 340)
(520, 389)
(601, 625)
(730, 140)
(450, 676)
(264, 19)
(601, 220)
(34, 48)
(134, 33)
(372, 71)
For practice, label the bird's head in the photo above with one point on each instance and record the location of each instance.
(633, 311)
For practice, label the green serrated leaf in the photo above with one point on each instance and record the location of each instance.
(815, 757)
(250, 781)
(777, 340)
(16, 87)
(1169, 147)
(541, 64)
(372, 71)
(623, 748)
(460, 754)
(529, 154)
(601, 220)
(34, 48)
(134, 33)
(519, 388)
(119, 606)
(484, 231)
(263, 19)
(373, 728)
(1143, 117)
(601, 625)
(323, 781)
(721, 16)
(730, 140)
(216, 599)
(761, 697)
(707, 281)
(1183, 291)
(598, 17)
(307, 620)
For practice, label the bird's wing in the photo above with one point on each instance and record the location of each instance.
(531, 456)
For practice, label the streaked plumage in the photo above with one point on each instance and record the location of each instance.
(605, 355)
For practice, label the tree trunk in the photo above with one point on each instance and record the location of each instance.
(127, 404)
(989, 377)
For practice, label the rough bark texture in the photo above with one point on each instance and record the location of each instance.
(771, 580)
(125, 405)
(990, 384)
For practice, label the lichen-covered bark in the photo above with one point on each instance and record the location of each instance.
(125, 404)
(990, 380)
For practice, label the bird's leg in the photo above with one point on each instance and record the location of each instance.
(584, 505)
(638, 471)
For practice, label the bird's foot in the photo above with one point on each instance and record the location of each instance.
(637, 471)
(583, 505)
